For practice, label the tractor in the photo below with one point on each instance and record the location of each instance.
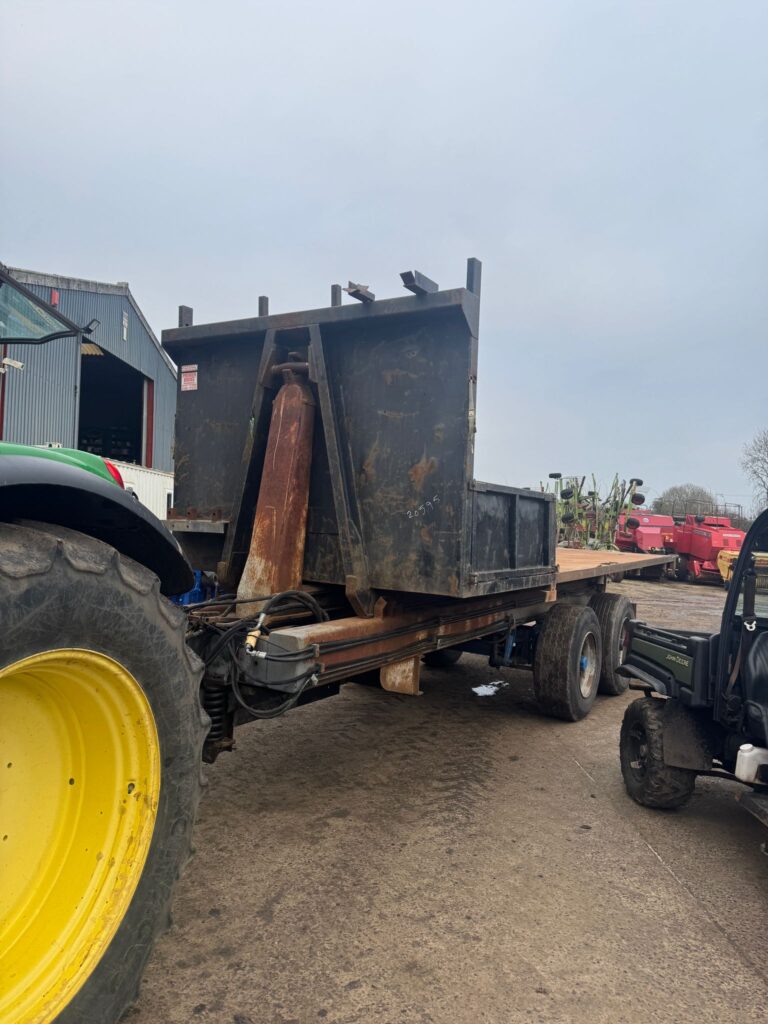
(101, 727)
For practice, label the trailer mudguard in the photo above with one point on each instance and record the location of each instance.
(52, 492)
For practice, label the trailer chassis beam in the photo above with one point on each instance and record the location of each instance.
(352, 646)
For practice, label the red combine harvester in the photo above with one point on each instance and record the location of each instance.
(698, 541)
(646, 532)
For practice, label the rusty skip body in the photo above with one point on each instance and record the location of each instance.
(394, 505)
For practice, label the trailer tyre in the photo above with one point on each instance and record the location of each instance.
(446, 658)
(649, 781)
(566, 664)
(614, 612)
(102, 734)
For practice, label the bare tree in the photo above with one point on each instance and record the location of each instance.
(754, 462)
(685, 498)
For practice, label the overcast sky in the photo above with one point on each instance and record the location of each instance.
(607, 161)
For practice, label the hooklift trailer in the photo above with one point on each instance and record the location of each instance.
(324, 473)
(705, 709)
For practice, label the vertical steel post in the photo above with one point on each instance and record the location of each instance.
(275, 559)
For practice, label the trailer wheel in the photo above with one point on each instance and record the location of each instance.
(614, 612)
(566, 665)
(101, 730)
(446, 658)
(649, 781)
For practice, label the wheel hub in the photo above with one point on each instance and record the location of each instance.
(588, 666)
(638, 751)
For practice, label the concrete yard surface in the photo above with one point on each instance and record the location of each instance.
(455, 858)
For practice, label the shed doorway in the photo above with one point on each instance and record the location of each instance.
(111, 406)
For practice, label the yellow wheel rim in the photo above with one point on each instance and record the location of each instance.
(79, 788)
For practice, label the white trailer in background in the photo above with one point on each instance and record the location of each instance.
(152, 487)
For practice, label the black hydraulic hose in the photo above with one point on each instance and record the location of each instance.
(296, 595)
(228, 600)
(274, 603)
(225, 637)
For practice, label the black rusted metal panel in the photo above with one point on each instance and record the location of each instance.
(393, 503)
(212, 423)
(400, 395)
(247, 476)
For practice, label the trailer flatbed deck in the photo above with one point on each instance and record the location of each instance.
(583, 564)
(402, 634)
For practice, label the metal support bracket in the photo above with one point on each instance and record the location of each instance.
(238, 536)
(358, 591)
(402, 677)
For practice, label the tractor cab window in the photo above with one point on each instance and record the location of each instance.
(25, 318)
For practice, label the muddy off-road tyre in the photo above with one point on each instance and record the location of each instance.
(101, 733)
(614, 612)
(649, 781)
(442, 659)
(566, 664)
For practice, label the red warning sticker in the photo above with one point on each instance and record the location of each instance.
(189, 377)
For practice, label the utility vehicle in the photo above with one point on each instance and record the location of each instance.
(705, 704)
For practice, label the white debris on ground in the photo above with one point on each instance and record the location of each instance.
(488, 689)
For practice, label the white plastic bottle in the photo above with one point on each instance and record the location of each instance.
(748, 761)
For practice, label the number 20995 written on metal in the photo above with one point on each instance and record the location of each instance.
(414, 513)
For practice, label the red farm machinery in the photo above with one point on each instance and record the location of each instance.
(706, 548)
(644, 531)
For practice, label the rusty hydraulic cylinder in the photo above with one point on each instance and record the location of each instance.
(276, 555)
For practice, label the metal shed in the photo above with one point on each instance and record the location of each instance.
(114, 393)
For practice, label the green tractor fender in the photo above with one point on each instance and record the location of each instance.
(54, 492)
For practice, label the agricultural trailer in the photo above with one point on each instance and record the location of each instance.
(325, 479)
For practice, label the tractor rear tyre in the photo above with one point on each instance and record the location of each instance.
(101, 730)
(614, 612)
(566, 664)
(649, 781)
(446, 658)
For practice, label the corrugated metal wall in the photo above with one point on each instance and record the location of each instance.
(40, 400)
(41, 403)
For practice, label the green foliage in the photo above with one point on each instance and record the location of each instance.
(693, 499)
(685, 498)
(754, 462)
